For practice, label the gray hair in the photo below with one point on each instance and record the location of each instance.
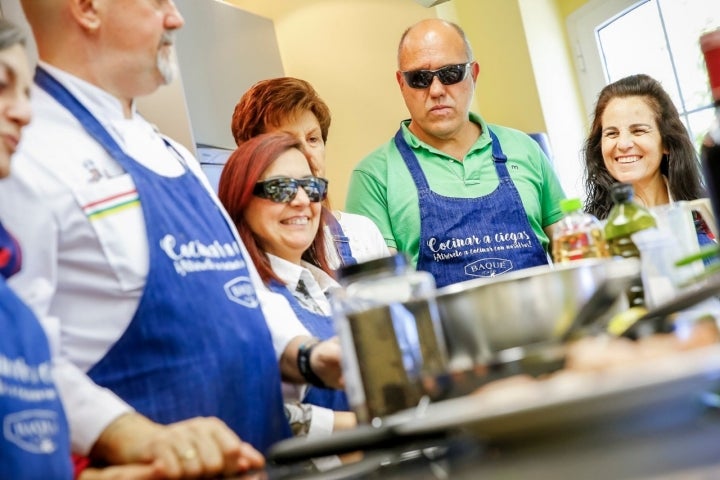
(10, 34)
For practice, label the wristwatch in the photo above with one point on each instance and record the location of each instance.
(304, 366)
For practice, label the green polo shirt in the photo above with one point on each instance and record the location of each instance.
(381, 186)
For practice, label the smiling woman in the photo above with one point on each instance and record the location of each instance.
(270, 192)
(260, 187)
(637, 137)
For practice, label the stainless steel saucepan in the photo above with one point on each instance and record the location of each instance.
(486, 319)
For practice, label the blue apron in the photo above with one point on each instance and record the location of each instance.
(319, 326)
(35, 441)
(340, 240)
(464, 238)
(198, 344)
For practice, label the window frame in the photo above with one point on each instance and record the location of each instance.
(581, 26)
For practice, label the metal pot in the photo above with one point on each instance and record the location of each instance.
(485, 319)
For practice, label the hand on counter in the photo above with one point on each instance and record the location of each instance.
(198, 447)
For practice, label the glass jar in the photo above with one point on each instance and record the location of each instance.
(388, 324)
(578, 234)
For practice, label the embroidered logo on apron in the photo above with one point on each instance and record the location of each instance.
(488, 267)
(240, 290)
(32, 430)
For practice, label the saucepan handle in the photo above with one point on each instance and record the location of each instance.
(600, 301)
(344, 441)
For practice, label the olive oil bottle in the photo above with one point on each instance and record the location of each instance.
(578, 234)
(625, 218)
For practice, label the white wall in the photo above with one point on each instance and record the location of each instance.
(221, 51)
(554, 79)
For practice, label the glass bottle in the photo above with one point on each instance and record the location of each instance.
(389, 328)
(627, 217)
(578, 234)
(710, 149)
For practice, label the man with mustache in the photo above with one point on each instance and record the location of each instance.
(149, 300)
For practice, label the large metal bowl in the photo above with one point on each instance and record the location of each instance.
(539, 305)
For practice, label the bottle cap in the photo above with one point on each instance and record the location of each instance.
(621, 192)
(393, 263)
(568, 205)
(710, 46)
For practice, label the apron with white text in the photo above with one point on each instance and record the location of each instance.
(319, 326)
(35, 442)
(198, 344)
(465, 238)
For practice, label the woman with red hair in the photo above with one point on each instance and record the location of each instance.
(269, 190)
(292, 105)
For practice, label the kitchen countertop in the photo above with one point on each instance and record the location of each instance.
(674, 440)
(647, 421)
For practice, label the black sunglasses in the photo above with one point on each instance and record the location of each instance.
(448, 75)
(284, 189)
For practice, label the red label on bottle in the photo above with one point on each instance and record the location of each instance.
(710, 46)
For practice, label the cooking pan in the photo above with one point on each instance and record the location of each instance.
(489, 320)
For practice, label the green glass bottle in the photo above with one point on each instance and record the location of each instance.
(625, 218)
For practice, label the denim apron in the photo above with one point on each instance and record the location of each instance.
(35, 442)
(340, 240)
(319, 326)
(464, 238)
(198, 344)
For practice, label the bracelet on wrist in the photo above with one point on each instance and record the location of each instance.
(304, 366)
(299, 416)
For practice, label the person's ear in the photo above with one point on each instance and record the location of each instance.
(475, 70)
(86, 13)
(399, 78)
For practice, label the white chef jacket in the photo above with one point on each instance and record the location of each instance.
(84, 281)
(364, 237)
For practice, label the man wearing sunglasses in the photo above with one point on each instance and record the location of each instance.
(463, 198)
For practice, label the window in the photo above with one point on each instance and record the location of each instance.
(615, 38)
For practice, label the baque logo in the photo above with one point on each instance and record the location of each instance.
(32, 430)
(488, 267)
(240, 290)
